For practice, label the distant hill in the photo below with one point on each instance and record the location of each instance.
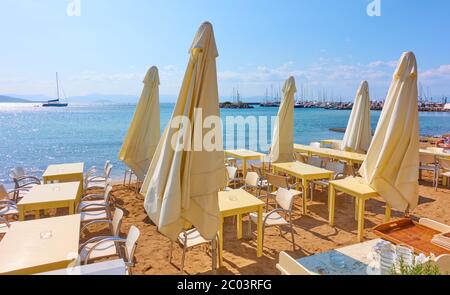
(4, 98)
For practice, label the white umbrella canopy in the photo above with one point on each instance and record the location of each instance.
(358, 134)
(183, 181)
(282, 150)
(143, 134)
(392, 164)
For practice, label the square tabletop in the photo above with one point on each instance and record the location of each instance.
(233, 200)
(302, 170)
(354, 258)
(64, 169)
(327, 152)
(355, 186)
(47, 193)
(436, 153)
(40, 245)
(244, 154)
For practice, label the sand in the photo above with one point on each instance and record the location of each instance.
(312, 233)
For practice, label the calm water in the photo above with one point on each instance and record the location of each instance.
(36, 137)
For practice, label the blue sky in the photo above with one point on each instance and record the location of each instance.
(328, 45)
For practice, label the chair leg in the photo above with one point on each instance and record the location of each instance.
(182, 259)
(293, 240)
(249, 227)
(170, 252)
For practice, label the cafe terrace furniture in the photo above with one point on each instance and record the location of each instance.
(40, 245)
(49, 196)
(237, 203)
(64, 173)
(355, 187)
(304, 172)
(244, 156)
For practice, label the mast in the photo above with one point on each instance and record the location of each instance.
(57, 86)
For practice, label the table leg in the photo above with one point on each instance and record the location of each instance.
(45, 180)
(221, 241)
(259, 251)
(37, 214)
(21, 213)
(331, 200)
(305, 195)
(71, 208)
(356, 208)
(387, 214)
(239, 226)
(244, 168)
(361, 205)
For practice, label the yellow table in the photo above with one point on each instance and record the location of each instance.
(64, 173)
(361, 191)
(435, 153)
(236, 203)
(244, 155)
(40, 245)
(47, 196)
(350, 157)
(304, 172)
(330, 141)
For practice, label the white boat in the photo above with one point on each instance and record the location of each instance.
(56, 102)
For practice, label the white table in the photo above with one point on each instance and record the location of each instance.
(355, 257)
(40, 245)
(111, 268)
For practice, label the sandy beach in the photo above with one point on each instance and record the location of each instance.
(312, 233)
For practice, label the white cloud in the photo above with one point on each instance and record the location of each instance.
(442, 73)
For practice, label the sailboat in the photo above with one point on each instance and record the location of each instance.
(56, 102)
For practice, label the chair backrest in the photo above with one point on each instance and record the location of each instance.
(443, 228)
(108, 189)
(289, 266)
(336, 145)
(444, 163)
(117, 221)
(315, 144)
(105, 166)
(299, 157)
(336, 167)
(427, 159)
(18, 172)
(443, 263)
(251, 178)
(315, 161)
(258, 170)
(231, 172)
(108, 170)
(232, 162)
(3, 192)
(278, 180)
(285, 199)
(131, 243)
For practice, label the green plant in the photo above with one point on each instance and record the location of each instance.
(420, 269)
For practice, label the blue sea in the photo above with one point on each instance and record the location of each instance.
(34, 137)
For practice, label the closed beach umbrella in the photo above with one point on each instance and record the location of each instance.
(143, 134)
(283, 135)
(392, 163)
(358, 134)
(183, 181)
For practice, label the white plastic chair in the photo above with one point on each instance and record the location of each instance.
(428, 163)
(101, 247)
(339, 172)
(285, 201)
(315, 144)
(442, 164)
(96, 202)
(22, 180)
(289, 266)
(315, 161)
(99, 182)
(189, 239)
(232, 173)
(254, 182)
(102, 217)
